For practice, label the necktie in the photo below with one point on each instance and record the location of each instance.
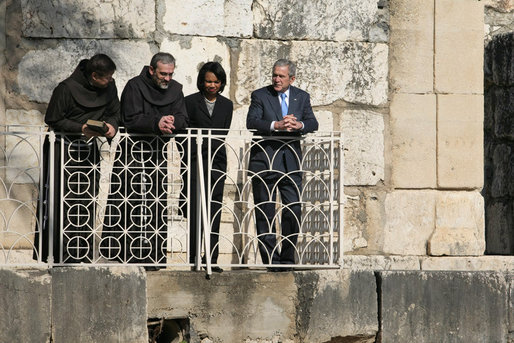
(284, 104)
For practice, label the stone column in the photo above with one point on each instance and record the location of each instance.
(436, 109)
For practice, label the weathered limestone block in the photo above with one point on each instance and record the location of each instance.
(25, 305)
(226, 241)
(18, 196)
(502, 171)
(497, 22)
(353, 72)
(191, 53)
(459, 224)
(482, 263)
(246, 306)
(500, 227)
(460, 141)
(333, 20)
(412, 46)
(235, 142)
(256, 67)
(363, 134)
(377, 262)
(321, 306)
(22, 149)
(178, 239)
(100, 304)
(226, 17)
(88, 19)
(229, 307)
(325, 120)
(409, 222)
(364, 219)
(500, 5)
(17, 218)
(355, 223)
(39, 74)
(18, 257)
(414, 134)
(444, 307)
(458, 35)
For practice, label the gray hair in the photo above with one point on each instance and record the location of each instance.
(284, 62)
(162, 57)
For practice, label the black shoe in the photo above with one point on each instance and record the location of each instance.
(215, 269)
(152, 268)
(279, 270)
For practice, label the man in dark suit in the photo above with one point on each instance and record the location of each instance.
(279, 110)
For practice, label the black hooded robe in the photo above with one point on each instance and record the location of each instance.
(135, 225)
(73, 102)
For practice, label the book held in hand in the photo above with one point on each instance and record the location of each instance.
(97, 126)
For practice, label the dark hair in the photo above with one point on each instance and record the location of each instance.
(162, 57)
(100, 64)
(286, 63)
(216, 69)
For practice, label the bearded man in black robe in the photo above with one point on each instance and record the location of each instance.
(135, 225)
(89, 93)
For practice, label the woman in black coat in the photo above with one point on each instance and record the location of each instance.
(208, 109)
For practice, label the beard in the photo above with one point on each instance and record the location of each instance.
(160, 83)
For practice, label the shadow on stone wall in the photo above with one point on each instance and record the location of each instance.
(498, 189)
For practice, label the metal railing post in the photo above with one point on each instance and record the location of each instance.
(341, 200)
(202, 214)
(50, 200)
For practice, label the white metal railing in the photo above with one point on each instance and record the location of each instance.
(65, 200)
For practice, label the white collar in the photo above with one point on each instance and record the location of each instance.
(286, 93)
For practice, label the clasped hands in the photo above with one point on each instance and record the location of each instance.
(166, 124)
(288, 123)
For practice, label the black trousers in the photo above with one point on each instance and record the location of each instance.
(265, 186)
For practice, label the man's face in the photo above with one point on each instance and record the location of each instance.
(162, 75)
(280, 78)
(101, 81)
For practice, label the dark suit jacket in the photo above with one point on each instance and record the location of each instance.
(274, 153)
(199, 115)
(221, 119)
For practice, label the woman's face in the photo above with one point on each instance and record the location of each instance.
(211, 84)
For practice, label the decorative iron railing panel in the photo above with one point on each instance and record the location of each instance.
(145, 200)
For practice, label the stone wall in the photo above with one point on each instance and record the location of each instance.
(385, 73)
(360, 306)
(499, 18)
(435, 150)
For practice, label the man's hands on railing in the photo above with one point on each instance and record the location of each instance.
(289, 123)
(166, 124)
(90, 133)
